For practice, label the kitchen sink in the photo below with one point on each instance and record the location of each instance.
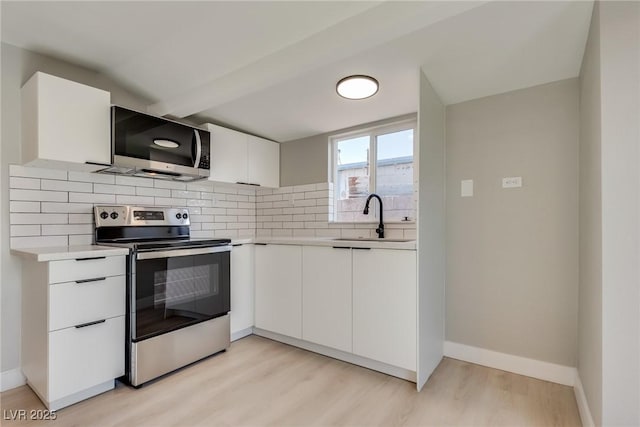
(372, 239)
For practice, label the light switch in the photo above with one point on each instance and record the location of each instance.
(512, 182)
(466, 188)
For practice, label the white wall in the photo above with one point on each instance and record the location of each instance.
(620, 98)
(512, 254)
(431, 230)
(590, 220)
(306, 160)
(17, 65)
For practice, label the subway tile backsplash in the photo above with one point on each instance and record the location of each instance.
(305, 210)
(55, 208)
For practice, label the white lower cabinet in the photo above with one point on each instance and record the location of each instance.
(384, 306)
(242, 290)
(326, 296)
(278, 304)
(80, 358)
(73, 327)
(360, 301)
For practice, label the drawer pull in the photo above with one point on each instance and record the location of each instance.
(84, 325)
(90, 259)
(236, 245)
(260, 244)
(362, 249)
(341, 247)
(97, 279)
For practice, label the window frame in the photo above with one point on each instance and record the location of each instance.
(373, 132)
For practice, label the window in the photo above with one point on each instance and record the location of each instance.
(377, 160)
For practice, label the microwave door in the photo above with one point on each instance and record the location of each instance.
(172, 144)
(197, 144)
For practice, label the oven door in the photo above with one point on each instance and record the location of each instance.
(174, 288)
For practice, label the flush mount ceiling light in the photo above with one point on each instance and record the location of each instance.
(166, 143)
(357, 87)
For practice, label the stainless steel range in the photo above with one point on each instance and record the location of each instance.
(177, 288)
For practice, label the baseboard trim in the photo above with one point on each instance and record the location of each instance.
(395, 371)
(241, 333)
(565, 375)
(583, 404)
(12, 379)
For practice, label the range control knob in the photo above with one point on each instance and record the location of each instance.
(179, 215)
(185, 215)
(114, 215)
(104, 215)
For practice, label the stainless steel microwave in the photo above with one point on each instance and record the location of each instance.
(149, 146)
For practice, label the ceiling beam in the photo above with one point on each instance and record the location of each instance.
(349, 37)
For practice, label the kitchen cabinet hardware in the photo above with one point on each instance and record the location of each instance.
(236, 245)
(91, 258)
(84, 325)
(248, 183)
(261, 244)
(362, 249)
(97, 279)
(98, 164)
(341, 247)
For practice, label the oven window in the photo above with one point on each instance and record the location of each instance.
(179, 291)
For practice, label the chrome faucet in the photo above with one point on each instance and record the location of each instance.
(380, 229)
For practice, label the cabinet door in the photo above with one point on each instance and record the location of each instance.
(80, 358)
(75, 303)
(228, 155)
(384, 306)
(242, 289)
(279, 289)
(264, 162)
(326, 296)
(65, 121)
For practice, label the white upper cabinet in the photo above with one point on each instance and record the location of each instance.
(228, 155)
(65, 124)
(240, 158)
(263, 162)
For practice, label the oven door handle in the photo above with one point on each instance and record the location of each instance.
(170, 253)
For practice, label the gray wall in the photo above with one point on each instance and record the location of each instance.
(17, 66)
(431, 230)
(306, 160)
(590, 219)
(512, 254)
(620, 130)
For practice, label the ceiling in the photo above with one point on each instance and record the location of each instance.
(270, 67)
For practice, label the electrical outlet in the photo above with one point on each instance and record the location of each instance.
(512, 182)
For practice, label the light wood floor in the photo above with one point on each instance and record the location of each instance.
(261, 382)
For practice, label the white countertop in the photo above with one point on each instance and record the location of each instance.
(57, 253)
(328, 241)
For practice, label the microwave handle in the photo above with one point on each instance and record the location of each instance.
(196, 161)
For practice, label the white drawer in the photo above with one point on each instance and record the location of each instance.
(80, 358)
(74, 303)
(86, 268)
